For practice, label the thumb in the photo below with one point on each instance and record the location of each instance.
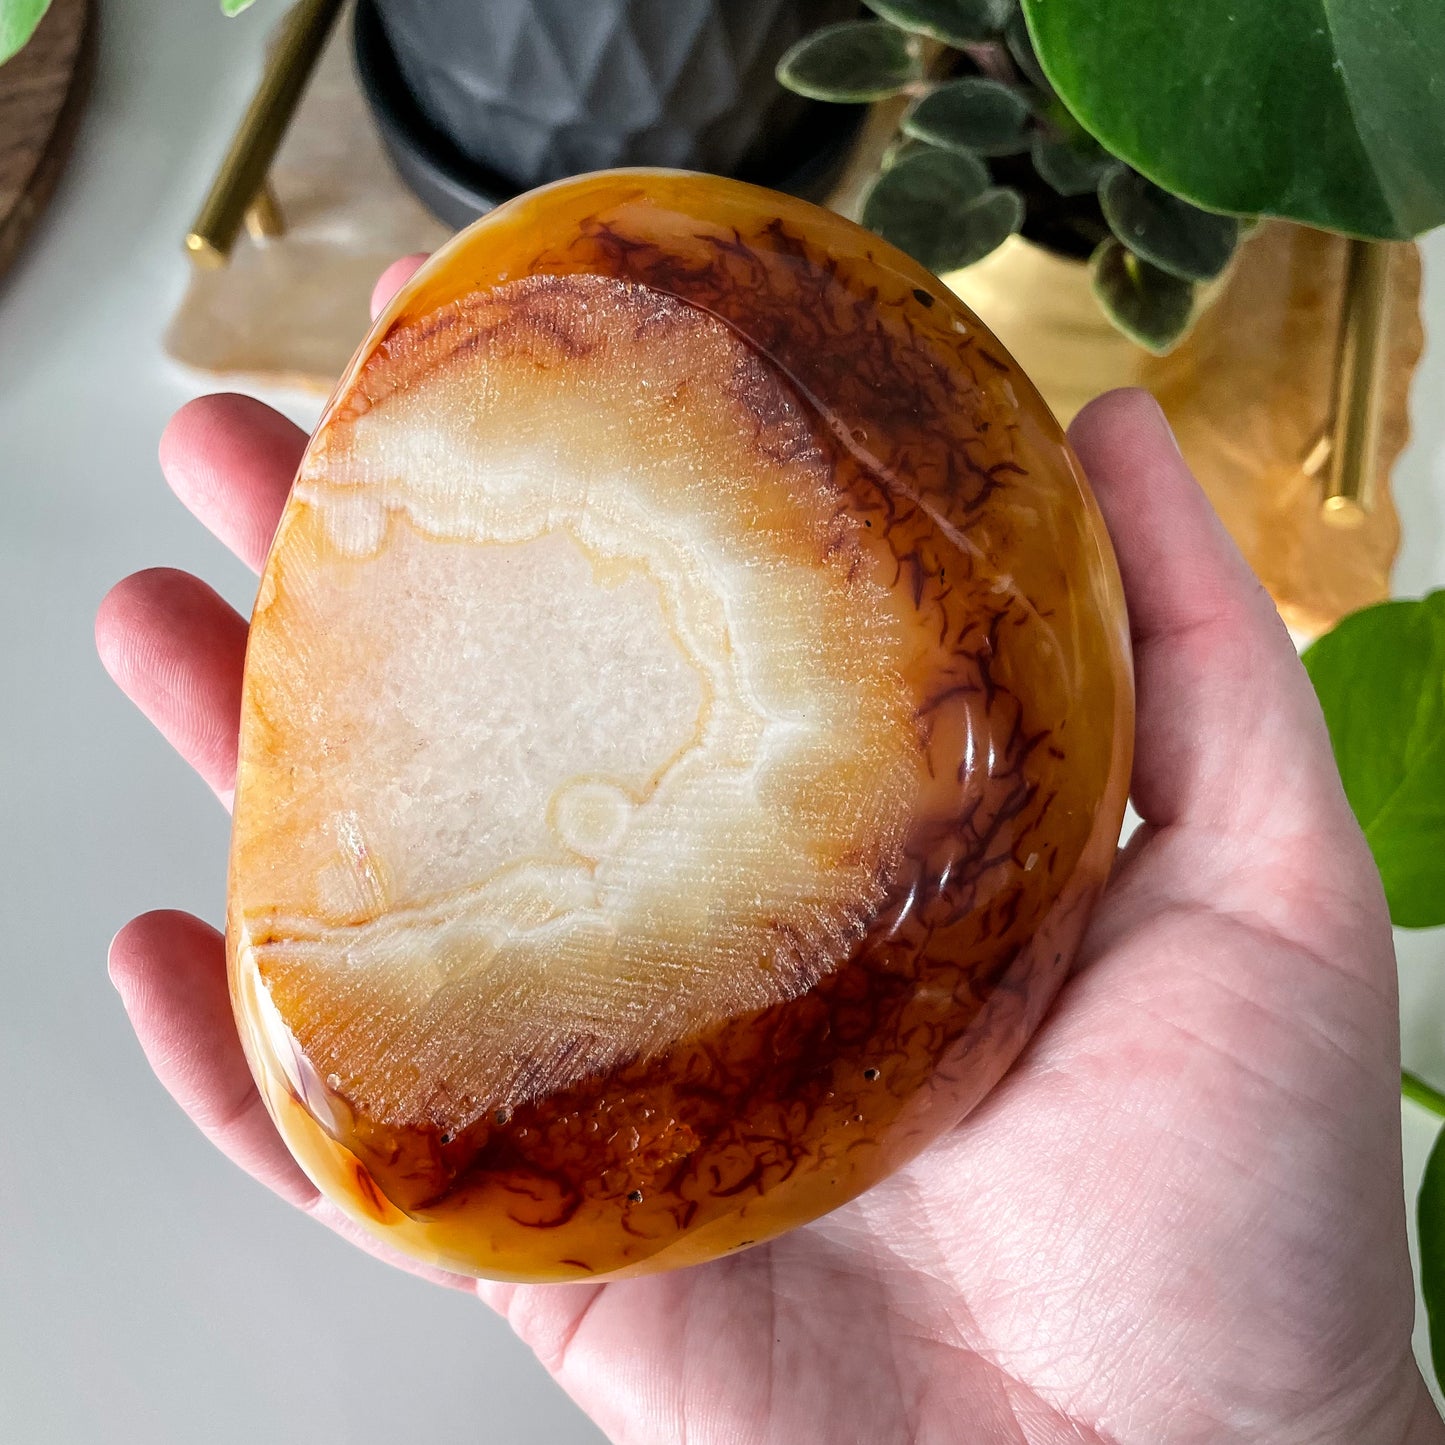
(1229, 733)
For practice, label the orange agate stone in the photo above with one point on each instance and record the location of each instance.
(687, 723)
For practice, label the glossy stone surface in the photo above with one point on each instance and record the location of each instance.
(687, 723)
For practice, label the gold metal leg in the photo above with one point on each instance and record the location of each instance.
(239, 189)
(1355, 410)
(264, 219)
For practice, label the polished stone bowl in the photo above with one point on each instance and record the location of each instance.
(687, 724)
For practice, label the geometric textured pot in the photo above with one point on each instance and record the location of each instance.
(495, 98)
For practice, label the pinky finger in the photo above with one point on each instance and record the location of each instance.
(177, 650)
(170, 971)
(393, 279)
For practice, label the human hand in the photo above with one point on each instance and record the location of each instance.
(1178, 1219)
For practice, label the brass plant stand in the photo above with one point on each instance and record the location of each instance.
(1288, 397)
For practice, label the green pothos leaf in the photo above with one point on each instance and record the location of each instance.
(954, 22)
(1330, 112)
(1148, 305)
(1380, 677)
(856, 60)
(18, 19)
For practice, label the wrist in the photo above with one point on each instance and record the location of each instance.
(1426, 1426)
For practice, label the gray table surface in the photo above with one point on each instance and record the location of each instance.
(148, 1291)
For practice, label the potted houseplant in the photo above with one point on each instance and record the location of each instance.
(984, 150)
(1085, 173)
(1103, 133)
(478, 102)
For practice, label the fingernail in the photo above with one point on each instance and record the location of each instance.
(1165, 429)
(109, 963)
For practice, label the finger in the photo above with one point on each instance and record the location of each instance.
(325, 1212)
(231, 460)
(170, 971)
(1227, 721)
(176, 649)
(393, 279)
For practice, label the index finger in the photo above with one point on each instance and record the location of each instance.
(231, 459)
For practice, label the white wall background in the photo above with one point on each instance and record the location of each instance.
(148, 1291)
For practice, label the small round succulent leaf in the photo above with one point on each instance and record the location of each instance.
(1072, 168)
(940, 208)
(1021, 47)
(900, 148)
(1150, 306)
(1166, 231)
(857, 60)
(975, 115)
(954, 22)
(985, 226)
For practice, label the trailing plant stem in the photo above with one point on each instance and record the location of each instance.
(1412, 1086)
(994, 61)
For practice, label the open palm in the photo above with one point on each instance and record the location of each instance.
(1178, 1219)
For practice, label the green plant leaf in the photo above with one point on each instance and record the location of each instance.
(1430, 1220)
(1330, 112)
(900, 148)
(234, 7)
(954, 22)
(856, 60)
(1148, 305)
(920, 194)
(995, 216)
(1072, 168)
(1380, 676)
(940, 208)
(18, 19)
(1171, 234)
(1016, 36)
(975, 115)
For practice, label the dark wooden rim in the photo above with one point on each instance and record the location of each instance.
(50, 160)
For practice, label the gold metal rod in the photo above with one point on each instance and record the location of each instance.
(1357, 404)
(264, 218)
(242, 173)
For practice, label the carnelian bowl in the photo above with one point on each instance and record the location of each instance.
(686, 726)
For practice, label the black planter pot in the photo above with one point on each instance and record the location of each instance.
(477, 100)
